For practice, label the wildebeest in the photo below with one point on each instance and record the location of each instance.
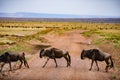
(9, 57)
(53, 53)
(97, 55)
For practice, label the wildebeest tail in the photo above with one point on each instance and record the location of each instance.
(112, 64)
(69, 57)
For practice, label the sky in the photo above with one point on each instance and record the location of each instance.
(75, 7)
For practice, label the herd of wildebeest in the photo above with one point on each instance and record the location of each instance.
(53, 53)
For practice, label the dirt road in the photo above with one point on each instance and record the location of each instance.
(74, 42)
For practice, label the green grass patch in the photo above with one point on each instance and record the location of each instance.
(89, 33)
(97, 41)
(20, 47)
(102, 37)
(111, 36)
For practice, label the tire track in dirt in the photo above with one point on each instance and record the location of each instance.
(74, 42)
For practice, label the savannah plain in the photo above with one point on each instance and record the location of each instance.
(31, 36)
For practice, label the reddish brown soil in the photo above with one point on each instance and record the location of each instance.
(74, 42)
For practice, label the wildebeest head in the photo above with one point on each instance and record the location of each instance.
(83, 54)
(42, 53)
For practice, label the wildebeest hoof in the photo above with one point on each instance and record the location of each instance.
(43, 66)
(28, 67)
(89, 69)
(56, 66)
(69, 65)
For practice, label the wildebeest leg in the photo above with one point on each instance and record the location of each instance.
(21, 64)
(46, 62)
(2, 66)
(24, 60)
(91, 65)
(10, 66)
(66, 60)
(107, 62)
(97, 65)
(26, 64)
(69, 59)
(55, 62)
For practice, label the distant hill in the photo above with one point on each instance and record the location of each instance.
(45, 15)
(98, 20)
